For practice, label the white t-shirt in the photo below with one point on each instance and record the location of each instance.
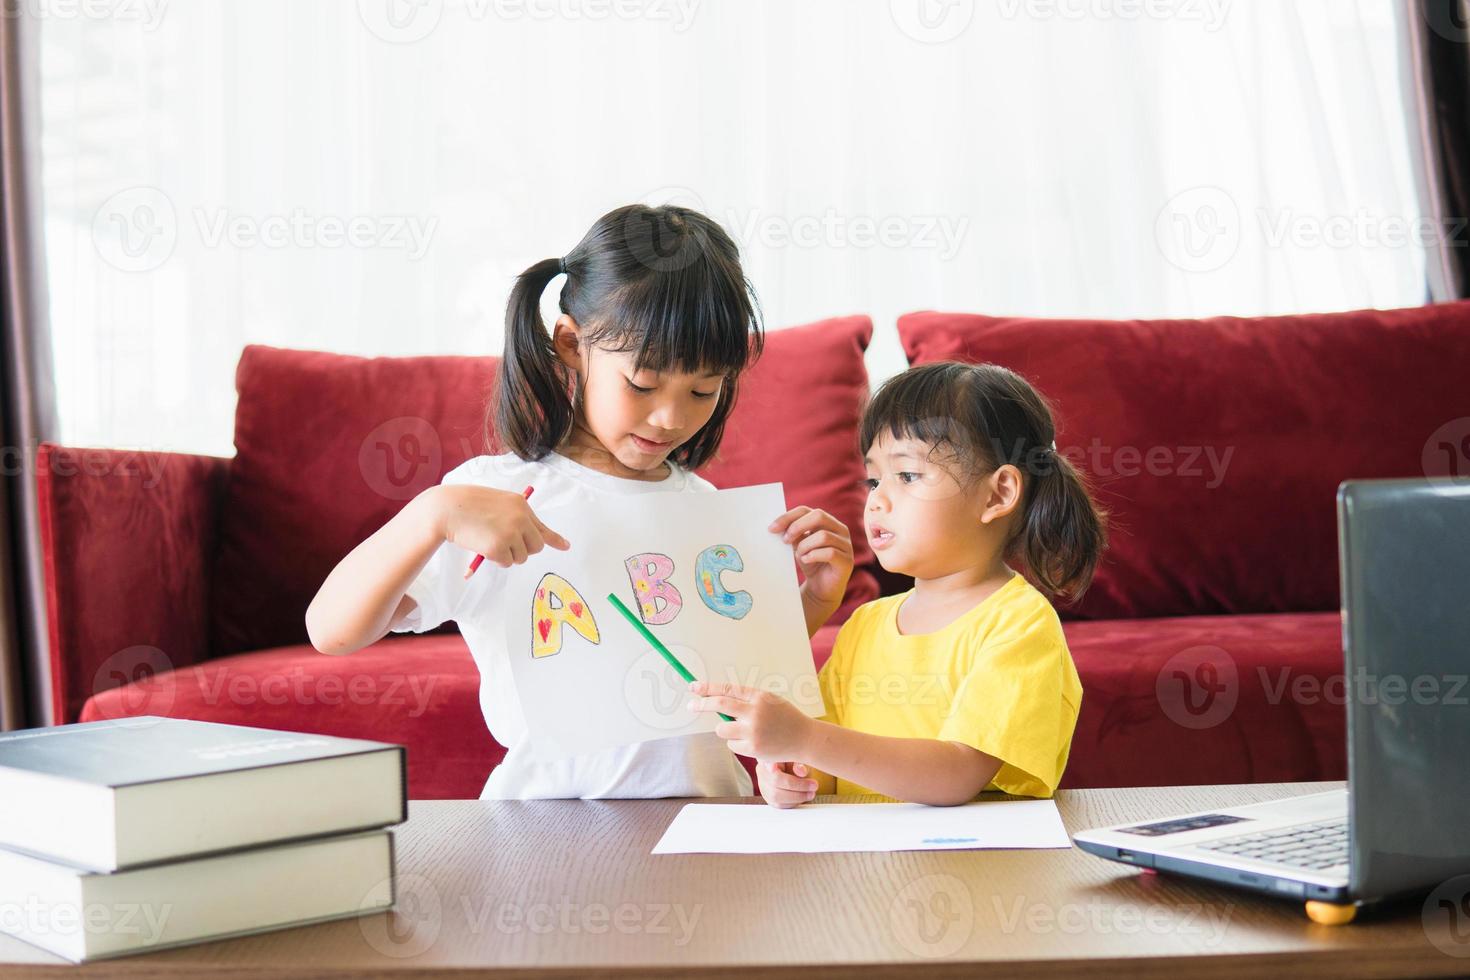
(687, 765)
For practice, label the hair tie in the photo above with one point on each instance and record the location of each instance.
(561, 265)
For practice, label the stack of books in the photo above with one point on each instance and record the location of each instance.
(137, 834)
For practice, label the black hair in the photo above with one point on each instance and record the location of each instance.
(663, 282)
(985, 416)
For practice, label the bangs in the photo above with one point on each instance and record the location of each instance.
(695, 320)
(928, 404)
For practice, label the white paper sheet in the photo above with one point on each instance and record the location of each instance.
(708, 579)
(738, 828)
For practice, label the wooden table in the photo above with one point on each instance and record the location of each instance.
(569, 888)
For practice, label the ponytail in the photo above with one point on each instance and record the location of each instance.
(990, 417)
(1062, 532)
(662, 284)
(533, 409)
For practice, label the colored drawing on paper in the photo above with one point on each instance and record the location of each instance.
(708, 567)
(555, 603)
(657, 599)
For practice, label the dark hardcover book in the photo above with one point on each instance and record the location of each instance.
(106, 795)
(82, 915)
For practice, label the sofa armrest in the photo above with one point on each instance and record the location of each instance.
(128, 539)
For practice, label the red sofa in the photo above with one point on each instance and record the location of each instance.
(177, 584)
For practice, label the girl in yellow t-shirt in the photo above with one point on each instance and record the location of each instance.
(964, 682)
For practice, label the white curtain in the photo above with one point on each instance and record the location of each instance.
(367, 177)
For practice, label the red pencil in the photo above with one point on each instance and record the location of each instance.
(526, 493)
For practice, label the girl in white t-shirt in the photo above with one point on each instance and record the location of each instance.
(626, 394)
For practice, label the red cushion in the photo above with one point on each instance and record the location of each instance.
(796, 423)
(419, 691)
(1299, 403)
(328, 448)
(1208, 699)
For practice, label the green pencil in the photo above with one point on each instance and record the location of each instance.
(663, 651)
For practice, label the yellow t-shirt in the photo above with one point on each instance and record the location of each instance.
(999, 678)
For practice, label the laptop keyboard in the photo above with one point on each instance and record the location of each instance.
(1313, 845)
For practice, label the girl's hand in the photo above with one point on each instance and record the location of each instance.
(823, 547)
(783, 784)
(495, 523)
(766, 725)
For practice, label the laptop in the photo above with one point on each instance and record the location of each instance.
(1399, 828)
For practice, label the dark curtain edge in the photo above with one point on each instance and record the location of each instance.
(1435, 82)
(29, 380)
